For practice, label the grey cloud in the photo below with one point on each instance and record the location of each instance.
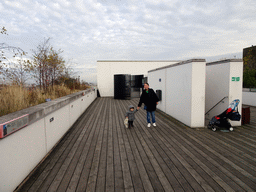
(120, 29)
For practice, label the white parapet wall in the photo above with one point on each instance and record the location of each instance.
(107, 69)
(183, 90)
(249, 98)
(22, 150)
(157, 81)
(224, 80)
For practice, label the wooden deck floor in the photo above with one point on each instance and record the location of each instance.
(99, 154)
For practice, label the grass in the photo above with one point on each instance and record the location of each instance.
(14, 98)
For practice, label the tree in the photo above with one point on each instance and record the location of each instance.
(3, 31)
(4, 50)
(56, 65)
(18, 72)
(249, 78)
(249, 74)
(47, 65)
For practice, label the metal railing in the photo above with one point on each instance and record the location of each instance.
(216, 104)
(249, 89)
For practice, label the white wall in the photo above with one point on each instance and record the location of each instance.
(20, 153)
(236, 87)
(23, 150)
(198, 94)
(87, 100)
(74, 111)
(219, 84)
(58, 127)
(107, 69)
(183, 87)
(249, 98)
(179, 92)
(217, 87)
(153, 80)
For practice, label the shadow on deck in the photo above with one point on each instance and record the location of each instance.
(99, 154)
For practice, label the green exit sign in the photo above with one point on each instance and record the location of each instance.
(235, 78)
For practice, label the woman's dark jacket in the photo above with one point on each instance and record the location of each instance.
(149, 99)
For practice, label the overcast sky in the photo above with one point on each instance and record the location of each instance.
(91, 30)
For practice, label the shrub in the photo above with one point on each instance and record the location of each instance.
(14, 98)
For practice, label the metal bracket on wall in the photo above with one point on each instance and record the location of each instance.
(52, 119)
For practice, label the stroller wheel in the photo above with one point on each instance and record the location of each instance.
(214, 129)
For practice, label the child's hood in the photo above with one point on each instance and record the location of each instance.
(131, 106)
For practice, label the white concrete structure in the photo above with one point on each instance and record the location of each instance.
(223, 79)
(107, 69)
(22, 150)
(183, 90)
(249, 98)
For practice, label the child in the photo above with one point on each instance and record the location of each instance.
(130, 115)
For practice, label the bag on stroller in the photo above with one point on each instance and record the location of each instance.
(222, 120)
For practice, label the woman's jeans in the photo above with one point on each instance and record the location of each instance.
(152, 113)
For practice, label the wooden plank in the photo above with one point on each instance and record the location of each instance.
(157, 167)
(128, 185)
(182, 174)
(138, 170)
(155, 182)
(192, 171)
(50, 171)
(72, 185)
(243, 136)
(208, 162)
(101, 179)
(135, 177)
(65, 165)
(234, 169)
(82, 184)
(233, 155)
(198, 163)
(175, 185)
(170, 157)
(110, 178)
(236, 143)
(238, 154)
(66, 181)
(250, 128)
(223, 146)
(119, 180)
(161, 158)
(91, 186)
(213, 160)
(197, 147)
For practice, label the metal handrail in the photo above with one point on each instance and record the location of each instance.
(216, 104)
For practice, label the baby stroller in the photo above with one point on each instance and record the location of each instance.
(221, 121)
